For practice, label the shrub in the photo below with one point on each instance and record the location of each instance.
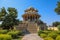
(47, 32)
(48, 38)
(58, 27)
(58, 37)
(14, 34)
(20, 38)
(58, 32)
(43, 35)
(3, 31)
(5, 37)
(40, 32)
(52, 34)
(44, 32)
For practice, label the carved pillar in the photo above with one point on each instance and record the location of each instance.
(27, 17)
(36, 17)
(32, 17)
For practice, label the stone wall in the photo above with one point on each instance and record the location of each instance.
(29, 27)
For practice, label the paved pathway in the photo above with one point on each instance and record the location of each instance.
(31, 37)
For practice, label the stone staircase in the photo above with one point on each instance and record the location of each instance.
(29, 27)
(32, 27)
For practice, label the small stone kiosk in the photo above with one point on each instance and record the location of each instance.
(29, 24)
(31, 15)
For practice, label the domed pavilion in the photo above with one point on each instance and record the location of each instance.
(31, 23)
(31, 15)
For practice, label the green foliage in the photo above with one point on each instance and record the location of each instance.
(58, 37)
(58, 32)
(47, 34)
(56, 23)
(52, 34)
(58, 27)
(20, 38)
(20, 21)
(48, 38)
(5, 37)
(43, 35)
(57, 10)
(14, 34)
(8, 18)
(12, 12)
(10, 34)
(40, 32)
(2, 13)
(3, 31)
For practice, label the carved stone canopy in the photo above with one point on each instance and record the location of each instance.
(31, 13)
(31, 9)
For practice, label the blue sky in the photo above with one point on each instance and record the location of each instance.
(45, 8)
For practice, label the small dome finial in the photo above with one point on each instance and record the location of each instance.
(30, 7)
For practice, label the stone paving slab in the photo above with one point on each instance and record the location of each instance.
(31, 37)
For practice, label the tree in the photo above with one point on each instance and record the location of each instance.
(39, 22)
(2, 13)
(10, 19)
(57, 9)
(56, 24)
(12, 12)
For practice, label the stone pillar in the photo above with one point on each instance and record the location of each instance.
(32, 17)
(27, 17)
(36, 17)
